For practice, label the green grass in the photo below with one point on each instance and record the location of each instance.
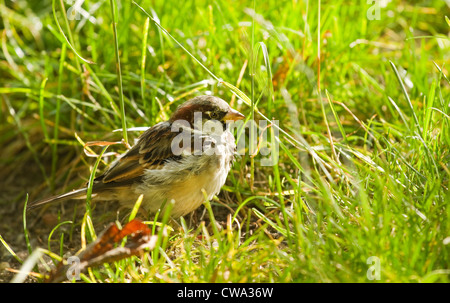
(364, 137)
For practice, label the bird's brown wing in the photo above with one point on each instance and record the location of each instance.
(151, 151)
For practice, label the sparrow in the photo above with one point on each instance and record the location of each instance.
(173, 161)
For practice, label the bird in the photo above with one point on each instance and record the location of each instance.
(177, 161)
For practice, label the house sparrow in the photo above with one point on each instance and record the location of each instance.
(173, 160)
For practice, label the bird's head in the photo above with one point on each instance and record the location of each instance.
(206, 108)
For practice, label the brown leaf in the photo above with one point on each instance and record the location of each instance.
(107, 248)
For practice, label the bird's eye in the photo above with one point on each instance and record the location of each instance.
(214, 115)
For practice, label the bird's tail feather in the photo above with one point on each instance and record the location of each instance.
(76, 194)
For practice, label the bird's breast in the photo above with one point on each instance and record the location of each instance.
(185, 180)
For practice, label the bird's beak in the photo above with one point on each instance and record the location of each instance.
(233, 115)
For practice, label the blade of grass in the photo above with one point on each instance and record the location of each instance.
(252, 98)
(57, 115)
(104, 91)
(162, 233)
(53, 230)
(176, 41)
(405, 93)
(428, 112)
(91, 181)
(10, 250)
(416, 120)
(277, 177)
(65, 37)
(119, 73)
(163, 58)
(25, 232)
(136, 207)
(211, 217)
(263, 217)
(336, 118)
(41, 108)
(143, 59)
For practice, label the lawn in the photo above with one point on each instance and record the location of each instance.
(347, 180)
